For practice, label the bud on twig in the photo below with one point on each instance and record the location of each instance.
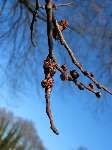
(74, 74)
(81, 86)
(98, 94)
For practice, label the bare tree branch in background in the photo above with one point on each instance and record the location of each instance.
(16, 133)
(82, 148)
(91, 20)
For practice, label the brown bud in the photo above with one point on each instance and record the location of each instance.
(98, 86)
(81, 87)
(98, 94)
(86, 73)
(63, 24)
(54, 6)
(46, 64)
(91, 86)
(91, 74)
(64, 77)
(74, 74)
(64, 67)
(47, 83)
(52, 71)
(55, 34)
(50, 82)
(43, 83)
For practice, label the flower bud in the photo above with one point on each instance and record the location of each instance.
(74, 74)
(64, 67)
(98, 94)
(91, 86)
(81, 87)
(64, 77)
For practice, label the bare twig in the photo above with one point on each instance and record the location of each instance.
(31, 8)
(47, 83)
(75, 61)
(49, 65)
(64, 4)
(48, 110)
(35, 14)
(73, 76)
(55, 6)
(49, 26)
(37, 4)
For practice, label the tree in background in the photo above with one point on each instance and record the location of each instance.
(18, 134)
(24, 15)
(82, 148)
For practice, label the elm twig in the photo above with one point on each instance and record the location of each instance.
(56, 6)
(49, 71)
(73, 76)
(75, 61)
(54, 30)
(35, 15)
(49, 66)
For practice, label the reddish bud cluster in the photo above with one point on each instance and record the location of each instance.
(63, 24)
(49, 70)
(47, 83)
(49, 67)
(71, 75)
(64, 75)
(64, 67)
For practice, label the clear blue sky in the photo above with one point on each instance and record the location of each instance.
(77, 114)
(73, 114)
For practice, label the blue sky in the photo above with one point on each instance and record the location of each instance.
(82, 119)
(77, 121)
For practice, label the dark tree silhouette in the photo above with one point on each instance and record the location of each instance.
(17, 133)
(82, 148)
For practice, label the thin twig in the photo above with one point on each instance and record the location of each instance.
(47, 83)
(78, 83)
(37, 4)
(35, 15)
(75, 61)
(49, 26)
(58, 5)
(30, 8)
(48, 110)
(32, 27)
(50, 71)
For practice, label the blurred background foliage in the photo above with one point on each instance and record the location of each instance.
(17, 133)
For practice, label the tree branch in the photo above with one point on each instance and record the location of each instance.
(48, 8)
(75, 61)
